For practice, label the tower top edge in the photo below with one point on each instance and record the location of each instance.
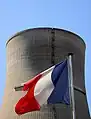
(45, 28)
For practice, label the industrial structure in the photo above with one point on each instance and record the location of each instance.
(31, 51)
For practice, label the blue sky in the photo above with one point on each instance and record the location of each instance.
(17, 15)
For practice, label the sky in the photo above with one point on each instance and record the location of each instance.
(72, 15)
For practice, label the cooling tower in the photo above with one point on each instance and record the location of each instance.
(32, 51)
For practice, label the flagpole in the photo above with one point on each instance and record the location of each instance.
(71, 87)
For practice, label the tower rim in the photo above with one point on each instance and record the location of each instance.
(44, 28)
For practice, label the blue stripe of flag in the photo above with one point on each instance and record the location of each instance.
(60, 80)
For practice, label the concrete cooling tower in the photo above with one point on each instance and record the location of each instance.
(30, 52)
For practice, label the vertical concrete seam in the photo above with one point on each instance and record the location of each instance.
(53, 47)
(53, 63)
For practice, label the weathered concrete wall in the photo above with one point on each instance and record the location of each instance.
(32, 51)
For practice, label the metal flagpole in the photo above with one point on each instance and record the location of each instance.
(71, 87)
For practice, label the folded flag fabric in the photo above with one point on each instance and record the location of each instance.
(48, 87)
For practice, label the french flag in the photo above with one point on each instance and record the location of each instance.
(49, 87)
